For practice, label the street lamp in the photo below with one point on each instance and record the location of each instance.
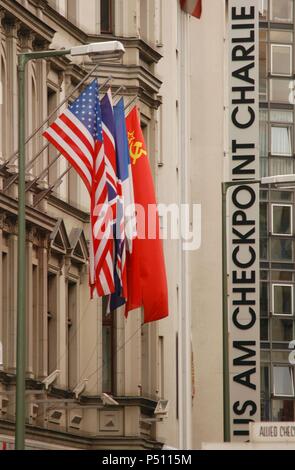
(282, 181)
(103, 50)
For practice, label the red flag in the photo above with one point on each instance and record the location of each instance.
(193, 7)
(146, 274)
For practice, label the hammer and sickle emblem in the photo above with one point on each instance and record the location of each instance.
(136, 150)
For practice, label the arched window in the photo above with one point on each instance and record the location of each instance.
(33, 116)
(3, 104)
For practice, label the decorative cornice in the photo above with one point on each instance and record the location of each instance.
(146, 52)
(82, 440)
(69, 209)
(39, 219)
(28, 19)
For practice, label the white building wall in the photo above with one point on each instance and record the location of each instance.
(207, 162)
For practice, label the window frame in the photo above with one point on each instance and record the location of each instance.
(283, 315)
(289, 129)
(273, 381)
(272, 46)
(273, 205)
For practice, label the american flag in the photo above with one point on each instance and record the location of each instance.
(193, 7)
(77, 134)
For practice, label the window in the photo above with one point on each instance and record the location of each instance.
(264, 335)
(3, 108)
(281, 36)
(282, 299)
(281, 143)
(263, 242)
(283, 410)
(263, 65)
(281, 249)
(72, 340)
(161, 366)
(5, 310)
(281, 90)
(265, 393)
(281, 219)
(283, 385)
(106, 16)
(263, 136)
(37, 321)
(278, 115)
(107, 352)
(263, 219)
(264, 299)
(52, 151)
(281, 166)
(281, 275)
(281, 59)
(52, 323)
(281, 11)
(282, 330)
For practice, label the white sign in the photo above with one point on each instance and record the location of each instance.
(243, 217)
(272, 432)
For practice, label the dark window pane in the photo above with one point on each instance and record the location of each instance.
(265, 382)
(106, 16)
(264, 299)
(281, 220)
(107, 358)
(263, 219)
(264, 275)
(281, 249)
(263, 139)
(263, 195)
(282, 330)
(264, 330)
(281, 196)
(283, 410)
(281, 276)
(263, 248)
(282, 300)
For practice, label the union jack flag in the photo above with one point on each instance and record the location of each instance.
(78, 135)
(114, 191)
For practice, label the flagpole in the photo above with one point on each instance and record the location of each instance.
(14, 155)
(31, 162)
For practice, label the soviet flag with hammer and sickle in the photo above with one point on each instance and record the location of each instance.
(146, 274)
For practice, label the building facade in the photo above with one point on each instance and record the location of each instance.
(181, 71)
(210, 162)
(277, 230)
(74, 351)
